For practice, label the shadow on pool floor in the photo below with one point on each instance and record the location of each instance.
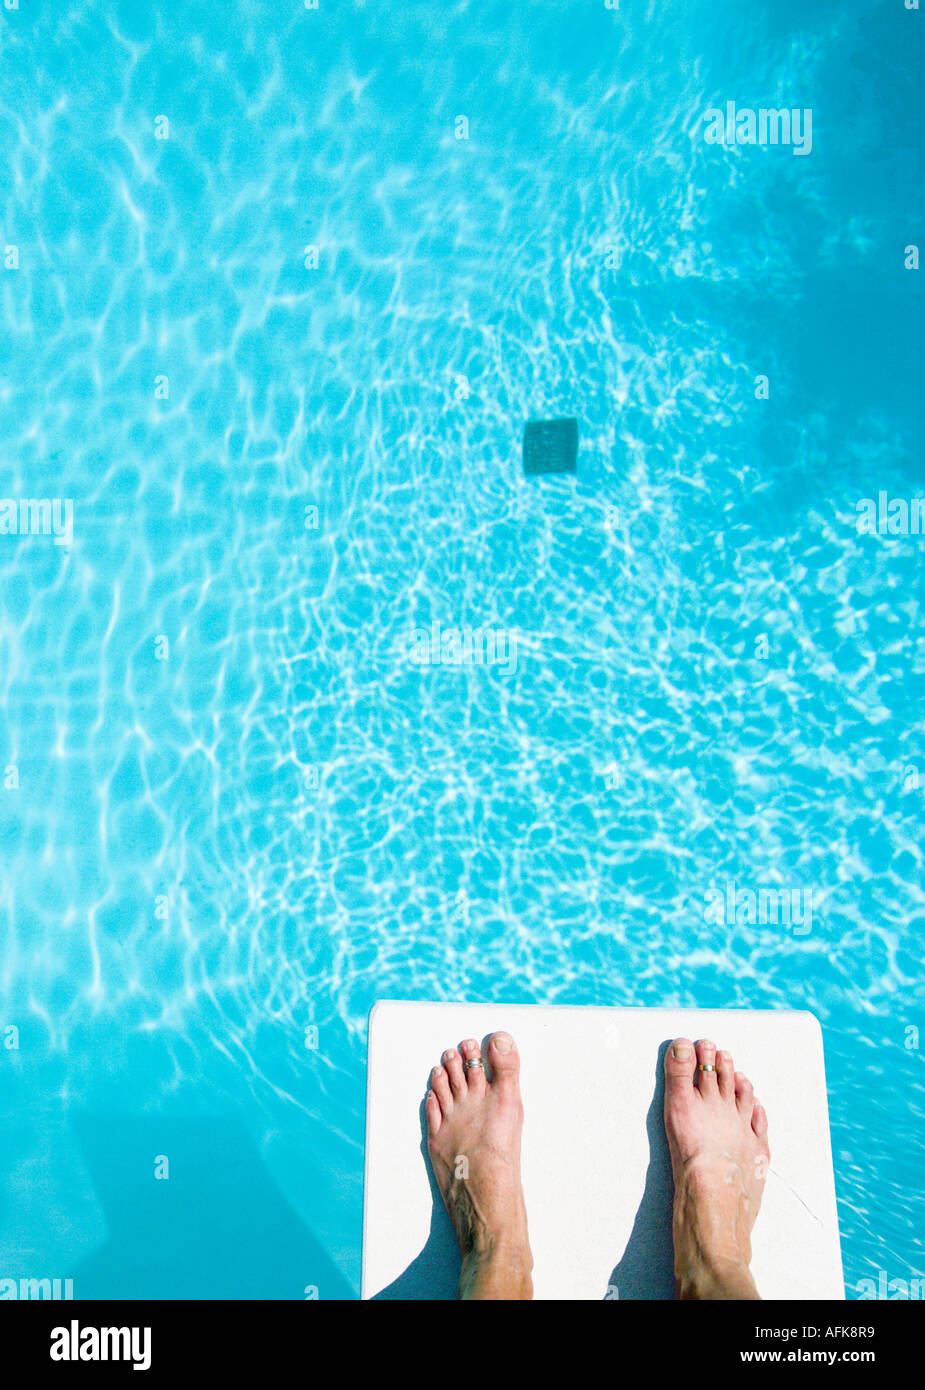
(217, 1227)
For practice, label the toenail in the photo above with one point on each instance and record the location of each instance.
(438, 1071)
(470, 1044)
(705, 1043)
(503, 1042)
(681, 1052)
(725, 1057)
(450, 1054)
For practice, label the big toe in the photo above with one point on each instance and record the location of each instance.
(679, 1070)
(505, 1062)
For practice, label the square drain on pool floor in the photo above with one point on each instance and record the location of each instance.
(550, 446)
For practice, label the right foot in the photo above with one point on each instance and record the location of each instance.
(718, 1137)
(473, 1138)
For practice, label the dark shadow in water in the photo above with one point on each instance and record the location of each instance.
(218, 1227)
(646, 1269)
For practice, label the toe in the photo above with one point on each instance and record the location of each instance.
(707, 1084)
(725, 1075)
(505, 1063)
(432, 1114)
(745, 1096)
(679, 1071)
(440, 1085)
(760, 1122)
(454, 1070)
(475, 1075)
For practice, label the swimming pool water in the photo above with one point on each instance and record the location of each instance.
(274, 322)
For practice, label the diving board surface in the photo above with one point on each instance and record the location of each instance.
(596, 1170)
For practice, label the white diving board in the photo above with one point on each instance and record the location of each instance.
(596, 1170)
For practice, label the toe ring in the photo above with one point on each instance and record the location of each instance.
(473, 1063)
(705, 1066)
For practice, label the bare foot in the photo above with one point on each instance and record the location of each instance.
(473, 1137)
(718, 1137)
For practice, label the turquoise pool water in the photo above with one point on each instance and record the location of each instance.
(278, 352)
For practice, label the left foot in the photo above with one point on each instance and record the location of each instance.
(473, 1138)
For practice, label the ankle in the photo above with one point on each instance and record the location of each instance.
(500, 1270)
(709, 1280)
